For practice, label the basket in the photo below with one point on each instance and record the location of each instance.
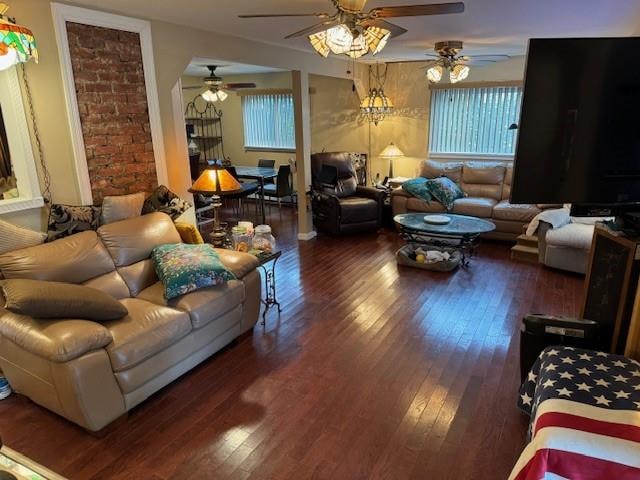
(402, 256)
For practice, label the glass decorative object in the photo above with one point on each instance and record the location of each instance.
(241, 239)
(263, 240)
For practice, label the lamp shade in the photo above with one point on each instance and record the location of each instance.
(458, 73)
(216, 180)
(17, 44)
(391, 151)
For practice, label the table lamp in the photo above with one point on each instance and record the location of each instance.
(391, 151)
(216, 181)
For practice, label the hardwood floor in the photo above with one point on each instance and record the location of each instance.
(373, 371)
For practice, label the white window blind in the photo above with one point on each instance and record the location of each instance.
(269, 121)
(474, 120)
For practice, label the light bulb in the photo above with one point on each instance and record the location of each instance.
(434, 74)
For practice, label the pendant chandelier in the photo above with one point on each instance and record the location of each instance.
(17, 44)
(376, 106)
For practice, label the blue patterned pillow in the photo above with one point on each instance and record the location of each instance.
(417, 187)
(445, 190)
(183, 268)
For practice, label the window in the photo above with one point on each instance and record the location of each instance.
(474, 120)
(269, 121)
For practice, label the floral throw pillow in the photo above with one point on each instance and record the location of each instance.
(184, 268)
(65, 220)
(418, 188)
(445, 190)
(164, 200)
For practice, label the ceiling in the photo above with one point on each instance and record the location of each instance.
(486, 26)
(197, 68)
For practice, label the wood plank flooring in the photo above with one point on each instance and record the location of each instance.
(373, 371)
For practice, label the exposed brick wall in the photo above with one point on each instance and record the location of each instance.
(109, 81)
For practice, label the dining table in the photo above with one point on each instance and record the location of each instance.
(260, 174)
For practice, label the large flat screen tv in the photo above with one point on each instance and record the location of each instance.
(579, 131)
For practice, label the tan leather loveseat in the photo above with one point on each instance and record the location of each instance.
(487, 186)
(92, 373)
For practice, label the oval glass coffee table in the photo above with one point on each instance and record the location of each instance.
(461, 231)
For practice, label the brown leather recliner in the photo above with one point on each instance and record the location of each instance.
(92, 373)
(344, 206)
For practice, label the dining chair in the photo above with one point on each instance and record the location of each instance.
(283, 186)
(266, 163)
(248, 188)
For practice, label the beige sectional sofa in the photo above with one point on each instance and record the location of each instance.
(487, 186)
(92, 373)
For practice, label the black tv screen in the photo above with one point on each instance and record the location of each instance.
(579, 132)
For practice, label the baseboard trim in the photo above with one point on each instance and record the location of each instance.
(307, 236)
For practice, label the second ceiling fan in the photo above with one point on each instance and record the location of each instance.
(216, 87)
(355, 33)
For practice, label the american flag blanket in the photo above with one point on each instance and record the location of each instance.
(585, 417)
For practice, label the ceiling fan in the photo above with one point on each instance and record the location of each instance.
(355, 33)
(448, 59)
(216, 86)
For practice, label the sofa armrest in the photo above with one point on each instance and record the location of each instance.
(239, 263)
(372, 193)
(400, 192)
(543, 228)
(54, 340)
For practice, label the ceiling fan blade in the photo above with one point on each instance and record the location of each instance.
(503, 56)
(192, 87)
(376, 22)
(273, 15)
(417, 10)
(318, 27)
(237, 86)
(353, 6)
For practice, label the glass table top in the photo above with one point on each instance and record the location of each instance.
(460, 225)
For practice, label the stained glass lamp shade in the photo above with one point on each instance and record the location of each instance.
(17, 44)
(376, 106)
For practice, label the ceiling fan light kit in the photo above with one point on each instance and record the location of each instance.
(352, 32)
(448, 61)
(340, 40)
(215, 86)
(214, 96)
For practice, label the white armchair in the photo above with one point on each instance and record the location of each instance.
(564, 241)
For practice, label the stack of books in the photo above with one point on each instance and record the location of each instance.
(5, 389)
